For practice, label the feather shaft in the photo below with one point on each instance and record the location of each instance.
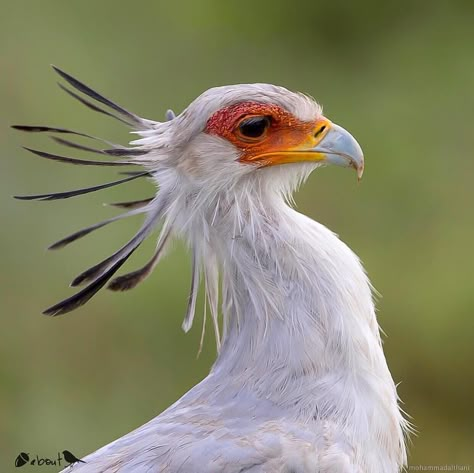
(82, 191)
(81, 162)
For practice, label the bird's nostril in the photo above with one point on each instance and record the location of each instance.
(319, 131)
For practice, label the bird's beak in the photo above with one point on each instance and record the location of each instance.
(327, 143)
(339, 147)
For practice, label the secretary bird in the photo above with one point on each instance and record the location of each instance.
(300, 384)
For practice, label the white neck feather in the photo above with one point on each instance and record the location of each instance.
(299, 320)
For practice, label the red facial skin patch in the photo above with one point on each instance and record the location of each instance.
(284, 134)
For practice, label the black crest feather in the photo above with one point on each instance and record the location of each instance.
(82, 191)
(96, 96)
(98, 275)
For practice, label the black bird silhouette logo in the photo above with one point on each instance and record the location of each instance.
(70, 458)
(22, 459)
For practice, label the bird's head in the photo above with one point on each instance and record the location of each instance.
(227, 143)
(231, 135)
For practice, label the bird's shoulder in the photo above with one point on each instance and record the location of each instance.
(193, 436)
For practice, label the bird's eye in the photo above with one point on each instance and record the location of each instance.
(253, 128)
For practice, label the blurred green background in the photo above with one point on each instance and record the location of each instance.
(399, 76)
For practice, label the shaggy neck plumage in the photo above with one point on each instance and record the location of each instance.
(293, 296)
(299, 321)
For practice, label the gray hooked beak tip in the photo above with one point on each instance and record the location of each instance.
(339, 147)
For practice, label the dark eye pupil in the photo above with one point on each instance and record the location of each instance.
(254, 127)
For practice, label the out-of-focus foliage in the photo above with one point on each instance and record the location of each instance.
(399, 75)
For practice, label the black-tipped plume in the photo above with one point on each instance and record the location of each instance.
(97, 270)
(101, 273)
(82, 162)
(85, 231)
(92, 106)
(87, 293)
(133, 204)
(71, 144)
(98, 275)
(82, 191)
(81, 87)
(131, 280)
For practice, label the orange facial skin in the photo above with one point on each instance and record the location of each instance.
(285, 138)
